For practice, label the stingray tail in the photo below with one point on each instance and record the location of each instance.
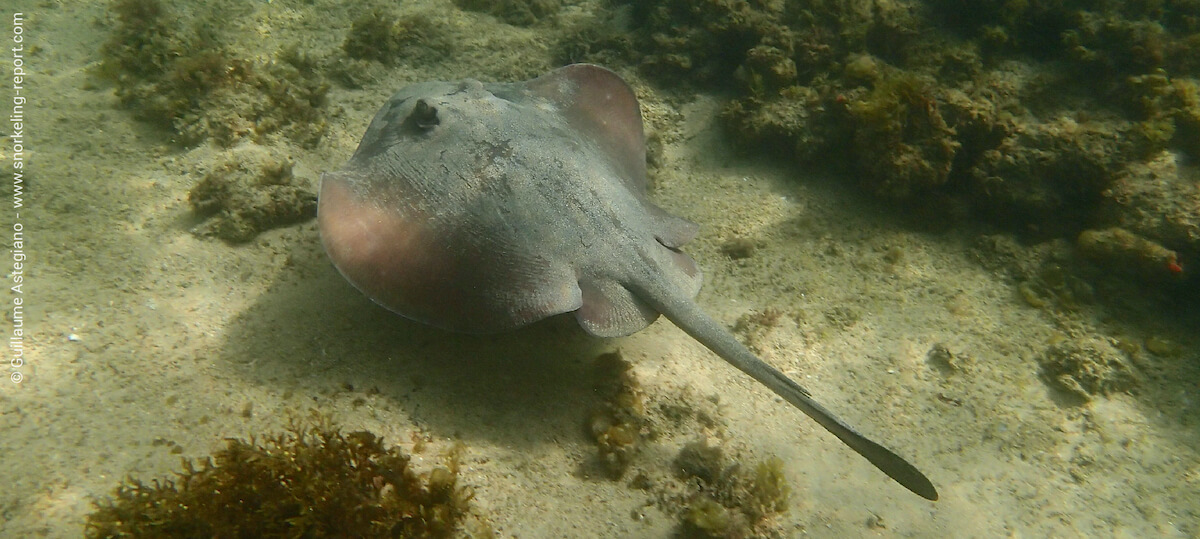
(688, 317)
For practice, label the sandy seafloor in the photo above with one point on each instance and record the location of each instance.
(191, 340)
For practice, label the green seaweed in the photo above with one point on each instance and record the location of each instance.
(769, 490)
(699, 460)
(515, 12)
(1088, 367)
(707, 518)
(250, 192)
(309, 481)
(185, 78)
(899, 123)
(617, 425)
(732, 500)
(384, 36)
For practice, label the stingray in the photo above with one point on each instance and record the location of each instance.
(485, 207)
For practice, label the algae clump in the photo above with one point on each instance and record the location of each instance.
(730, 501)
(1087, 367)
(389, 38)
(309, 481)
(617, 425)
(187, 78)
(250, 192)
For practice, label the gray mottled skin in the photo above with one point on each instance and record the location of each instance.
(484, 208)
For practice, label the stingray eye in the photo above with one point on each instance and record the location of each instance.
(423, 115)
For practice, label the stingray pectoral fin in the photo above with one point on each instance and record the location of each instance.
(609, 310)
(601, 106)
(689, 317)
(447, 275)
(375, 248)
